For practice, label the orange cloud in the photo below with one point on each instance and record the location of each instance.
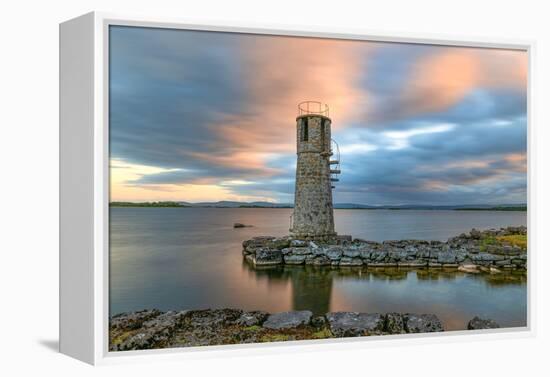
(442, 79)
(280, 72)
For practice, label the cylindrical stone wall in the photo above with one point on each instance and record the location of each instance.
(313, 216)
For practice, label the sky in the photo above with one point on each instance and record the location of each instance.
(208, 116)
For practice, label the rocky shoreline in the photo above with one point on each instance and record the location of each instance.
(474, 252)
(151, 329)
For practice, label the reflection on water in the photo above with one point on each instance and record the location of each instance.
(173, 258)
(456, 297)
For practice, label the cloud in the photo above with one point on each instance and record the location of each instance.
(468, 163)
(211, 116)
(401, 139)
(442, 77)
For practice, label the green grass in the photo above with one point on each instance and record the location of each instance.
(121, 337)
(485, 242)
(519, 240)
(275, 338)
(252, 328)
(322, 334)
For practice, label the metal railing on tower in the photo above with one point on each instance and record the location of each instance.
(313, 108)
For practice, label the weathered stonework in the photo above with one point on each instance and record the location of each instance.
(313, 216)
(470, 253)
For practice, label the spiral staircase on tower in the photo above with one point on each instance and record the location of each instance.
(334, 163)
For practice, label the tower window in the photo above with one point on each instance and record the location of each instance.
(323, 133)
(304, 130)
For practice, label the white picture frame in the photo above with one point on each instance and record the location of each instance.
(84, 190)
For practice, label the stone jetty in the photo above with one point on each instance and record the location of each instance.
(477, 251)
(150, 329)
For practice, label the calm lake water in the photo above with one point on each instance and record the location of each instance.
(190, 258)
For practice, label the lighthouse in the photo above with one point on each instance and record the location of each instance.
(317, 168)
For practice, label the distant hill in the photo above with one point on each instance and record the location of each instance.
(146, 204)
(260, 204)
(231, 204)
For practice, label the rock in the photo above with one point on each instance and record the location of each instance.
(279, 243)
(240, 225)
(485, 257)
(288, 320)
(352, 253)
(477, 323)
(411, 250)
(250, 258)
(365, 253)
(268, 257)
(262, 238)
(446, 258)
(509, 250)
(398, 255)
(207, 327)
(319, 322)
(421, 323)
(494, 270)
(300, 250)
(133, 320)
(319, 251)
(423, 253)
(294, 259)
(483, 268)
(468, 268)
(266, 241)
(334, 253)
(320, 260)
(298, 243)
(355, 324)
(378, 255)
(201, 327)
(144, 339)
(518, 262)
(350, 262)
(394, 323)
(343, 239)
(153, 333)
(254, 318)
(150, 329)
(286, 250)
(165, 320)
(461, 256)
(475, 234)
(417, 263)
(377, 264)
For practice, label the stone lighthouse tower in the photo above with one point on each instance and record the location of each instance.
(313, 216)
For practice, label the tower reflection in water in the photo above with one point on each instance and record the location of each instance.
(313, 288)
